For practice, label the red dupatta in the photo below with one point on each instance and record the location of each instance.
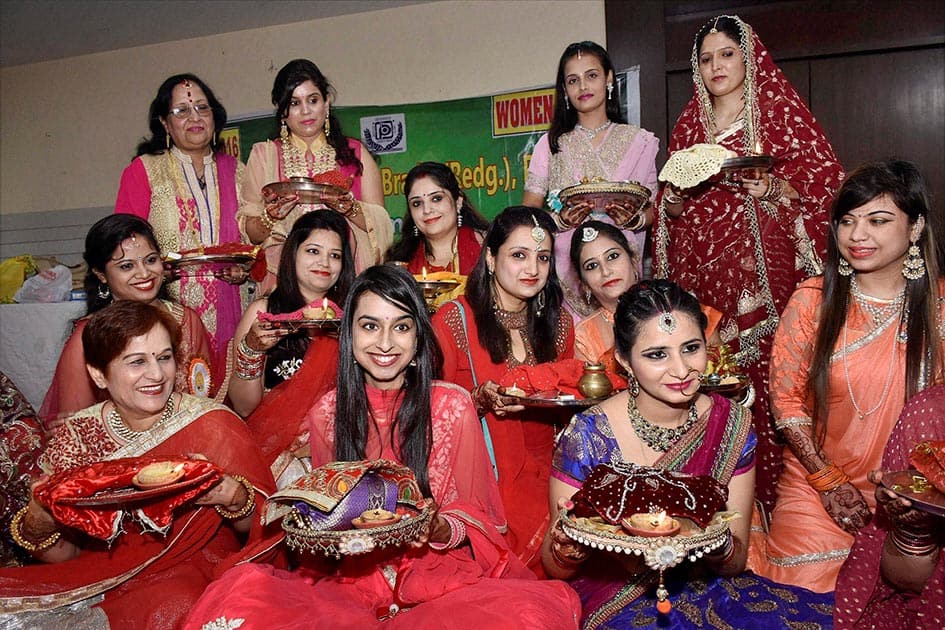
(468, 247)
(181, 562)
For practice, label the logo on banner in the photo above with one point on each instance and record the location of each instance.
(384, 134)
(522, 112)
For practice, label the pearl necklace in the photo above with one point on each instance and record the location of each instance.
(659, 438)
(590, 133)
(126, 433)
(892, 362)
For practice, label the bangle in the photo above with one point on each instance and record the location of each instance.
(828, 478)
(912, 543)
(672, 198)
(775, 190)
(355, 209)
(723, 554)
(568, 564)
(249, 362)
(267, 220)
(16, 532)
(457, 534)
(247, 507)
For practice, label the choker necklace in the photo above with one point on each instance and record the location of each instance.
(658, 438)
(590, 133)
(880, 309)
(126, 433)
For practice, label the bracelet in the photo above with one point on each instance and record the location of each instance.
(672, 198)
(725, 552)
(267, 220)
(16, 532)
(249, 362)
(828, 478)
(355, 209)
(247, 507)
(775, 190)
(911, 543)
(567, 564)
(637, 222)
(457, 534)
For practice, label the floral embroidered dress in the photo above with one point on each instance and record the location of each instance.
(148, 580)
(185, 214)
(476, 585)
(72, 388)
(521, 443)
(740, 255)
(265, 166)
(721, 444)
(805, 546)
(627, 153)
(864, 598)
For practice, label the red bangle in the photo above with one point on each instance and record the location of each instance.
(827, 478)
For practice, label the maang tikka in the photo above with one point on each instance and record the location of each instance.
(666, 322)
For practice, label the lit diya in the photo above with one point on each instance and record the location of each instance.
(158, 474)
(377, 517)
(651, 524)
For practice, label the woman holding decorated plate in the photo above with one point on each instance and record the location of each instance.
(853, 345)
(125, 263)
(589, 141)
(183, 531)
(742, 242)
(185, 185)
(388, 405)
(659, 427)
(315, 272)
(311, 149)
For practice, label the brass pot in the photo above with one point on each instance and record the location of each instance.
(594, 382)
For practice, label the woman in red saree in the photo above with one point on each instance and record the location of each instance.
(461, 574)
(185, 185)
(125, 263)
(881, 586)
(742, 246)
(512, 315)
(852, 347)
(148, 580)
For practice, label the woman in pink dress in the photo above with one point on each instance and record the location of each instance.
(588, 140)
(187, 187)
(311, 144)
(460, 574)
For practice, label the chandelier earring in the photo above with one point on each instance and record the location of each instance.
(634, 385)
(567, 105)
(587, 297)
(103, 291)
(610, 91)
(283, 132)
(541, 303)
(913, 267)
(416, 230)
(459, 219)
(327, 121)
(844, 268)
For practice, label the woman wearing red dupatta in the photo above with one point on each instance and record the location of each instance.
(663, 421)
(868, 593)
(187, 187)
(461, 574)
(511, 315)
(741, 247)
(147, 579)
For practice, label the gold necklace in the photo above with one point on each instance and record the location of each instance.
(120, 428)
(296, 164)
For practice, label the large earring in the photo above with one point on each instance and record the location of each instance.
(844, 268)
(459, 219)
(103, 291)
(416, 231)
(634, 385)
(913, 267)
(587, 297)
(284, 132)
(610, 91)
(167, 141)
(327, 121)
(541, 303)
(567, 105)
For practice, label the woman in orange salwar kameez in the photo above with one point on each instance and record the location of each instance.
(852, 346)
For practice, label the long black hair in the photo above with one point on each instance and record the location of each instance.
(291, 76)
(413, 424)
(565, 117)
(161, 109)
(287, 296)
(906, 187)
(607, 230)
(102, 239)
(542, 324)
(404, 249)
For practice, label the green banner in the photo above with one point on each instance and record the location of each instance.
(486, 142)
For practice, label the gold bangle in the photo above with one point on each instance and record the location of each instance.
(17, 534)
(266, 219)
(247, 507)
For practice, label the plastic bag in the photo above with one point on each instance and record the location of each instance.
(13, 272)
(53, 285)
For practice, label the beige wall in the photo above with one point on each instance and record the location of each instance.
(68, 127)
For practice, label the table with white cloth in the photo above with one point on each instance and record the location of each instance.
(31, 338)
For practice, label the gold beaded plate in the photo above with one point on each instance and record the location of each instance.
(750, 166)
(601, 193)
(554, 398)
(295, 325)
(729, 389)
(352, 542)
(308, 191)
(659, 552)
(912, 485)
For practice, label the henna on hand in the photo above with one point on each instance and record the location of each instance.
(847, 507)
(801, 443)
